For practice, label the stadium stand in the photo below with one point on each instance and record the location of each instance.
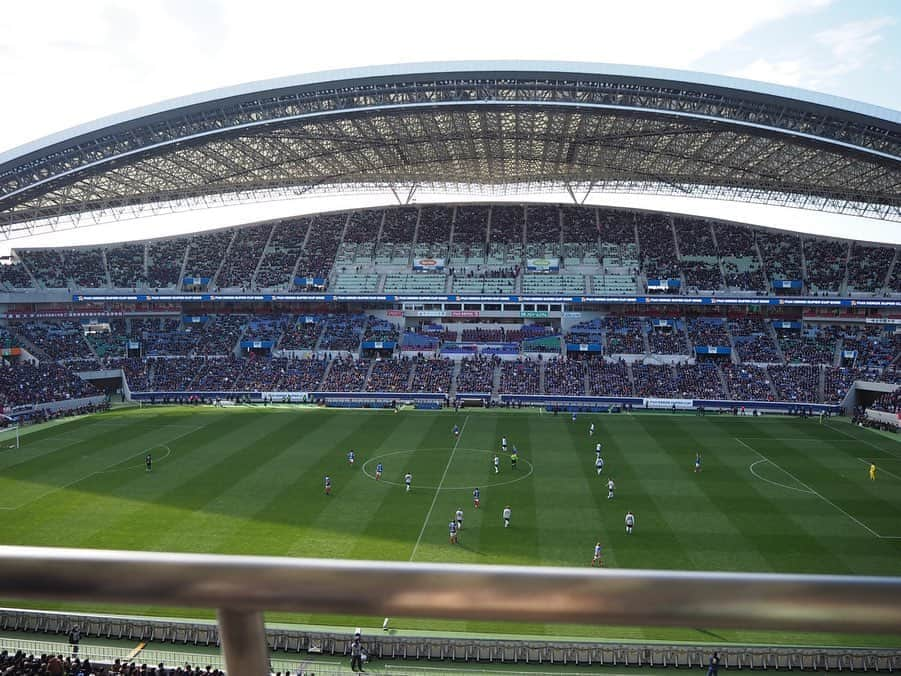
(126, 266)
(164, 262)
(346, 375)
(811, 345)
(476, 375)
(281, 254)
(46, 265)
(658, 247)
(868, 268)
(522, 376)
(781, 253)
(699, 381)
(14, 276)
(655, 380)
(54, 339)
(432, 375)
(206, 252)
(390, 375)
(795, 383)
(748, 382)
(24, 383)
(669, 339)
(564, 377)
(243, 256)
(624, 335)
(753, 341)
(608, 379)
(826, 261)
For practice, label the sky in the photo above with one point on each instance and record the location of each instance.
(64, 63)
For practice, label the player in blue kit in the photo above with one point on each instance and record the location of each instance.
(378, 471)
(476, 495)
(328, 485)
(456, 431)
(350, 457)
(697, 462)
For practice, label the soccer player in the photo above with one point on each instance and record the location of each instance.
(591, 430)
(630, 522)
(597, 449)
(513, 458)
(599, 465)
(872, 472)
(328, 485)
(574, 416)
(497, 465)
(476, 496)
(148, 462)
(697, 462)
(504, 444)
(350, 457)
(456, 431)
(507, 514)
(408, 481)
(378, 471)
(459, 517)
(597, 559)
(610, 488)
(452, 530)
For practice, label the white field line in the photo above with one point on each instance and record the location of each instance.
(878, 468)
(821, 496)
(864, 441)
(103, 471)
(425, 523)
(775, 483)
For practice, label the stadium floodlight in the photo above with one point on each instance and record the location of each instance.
(9, 432)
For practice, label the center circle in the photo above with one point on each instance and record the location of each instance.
(444, 487)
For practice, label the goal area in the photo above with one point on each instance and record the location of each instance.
(9, 432)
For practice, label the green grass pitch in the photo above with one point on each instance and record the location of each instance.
(774, 494)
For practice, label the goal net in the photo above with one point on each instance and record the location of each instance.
(9, 432)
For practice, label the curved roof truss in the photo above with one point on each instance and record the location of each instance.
(499, 126)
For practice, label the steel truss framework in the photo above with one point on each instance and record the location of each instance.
(498, 130)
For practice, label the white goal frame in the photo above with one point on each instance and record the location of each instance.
(9, 435)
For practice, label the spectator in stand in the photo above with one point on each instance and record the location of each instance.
(389, 375)
(346, 375)
(753, 341)
(699, 381)
(477, 374)
(432, 375)
(608, 379)
(796, 383)
(521, 376)
(655, 380)
(57, 340)
(748, 382)
(24, 383)
(564, 377)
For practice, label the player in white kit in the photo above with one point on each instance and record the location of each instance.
(459, 518)
(591, 430)
(630, 522)
(507, 514)
(599, 465)
(610, 488)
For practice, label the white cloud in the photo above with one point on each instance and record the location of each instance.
(790, 72)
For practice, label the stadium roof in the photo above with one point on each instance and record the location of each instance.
(502, 127)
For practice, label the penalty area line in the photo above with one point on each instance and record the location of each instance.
(425, 523)
(820, 495)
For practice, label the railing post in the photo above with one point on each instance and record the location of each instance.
(243, 639)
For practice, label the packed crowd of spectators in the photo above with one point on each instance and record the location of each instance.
(399, 225)
(875, 346)
(507, 224)
(815, 345)
(47, 267)
(346, 375)
(301, 334)
(483, 335)
(579, 225)
(695, 237)
(280, 256)
(698, 381)
(708, 331)
(837, 380)
(624, 335)
(164, 261)
(702, 276)
(363, 226)
(543, 227)
(617, 227)
(14, 276)
(825, 263)
(734, 241)
(868, 267)
(265, 327)
(520, 376)
(796, 383)
(748, 382)
(126, 266)
(655, 380)
(432, 374)
(380, 330)
(435, 223)
(390, 375)
(744, 279)
(471, 225)
(658, 248)
(667, 340)
(781, 255)
(318, 256)
(55, 339)
(564, 376)
(21, 663)
(342, 332)
(608, 378)
(303, 375)
(241, 260)
(476, 374)
(753, 341)
(24, 383)
(206, 251)
(84, 268)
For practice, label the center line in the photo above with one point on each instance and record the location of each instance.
(425, 523)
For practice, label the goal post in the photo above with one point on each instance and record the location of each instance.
(9, 432)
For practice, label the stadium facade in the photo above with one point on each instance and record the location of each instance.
(673, 308)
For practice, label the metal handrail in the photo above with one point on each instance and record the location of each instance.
(242, 586)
